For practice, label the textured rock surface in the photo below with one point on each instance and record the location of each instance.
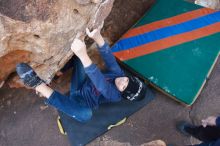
(40, 32)
(107, 141)
(214, 4)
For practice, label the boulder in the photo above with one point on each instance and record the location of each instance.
(213, 4)
(40, 32)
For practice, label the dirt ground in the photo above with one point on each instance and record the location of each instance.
(25, 120)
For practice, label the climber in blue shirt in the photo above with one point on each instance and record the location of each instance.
(89, 86)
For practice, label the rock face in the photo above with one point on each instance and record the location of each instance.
(109, 142)
(214, 4)
(40, 32)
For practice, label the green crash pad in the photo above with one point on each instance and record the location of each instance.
(174, 46)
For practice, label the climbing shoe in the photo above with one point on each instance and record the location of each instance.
(28, 75)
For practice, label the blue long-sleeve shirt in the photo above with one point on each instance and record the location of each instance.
(100, 87)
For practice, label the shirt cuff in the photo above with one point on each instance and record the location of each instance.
(50, 99)
(90, 68)
(104, 47)
(218, 121)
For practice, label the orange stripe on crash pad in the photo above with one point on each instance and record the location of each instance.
(168, 22)
(167, 42)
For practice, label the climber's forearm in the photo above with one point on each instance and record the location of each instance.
(100, 41)
(86, 60)
(44, 90)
